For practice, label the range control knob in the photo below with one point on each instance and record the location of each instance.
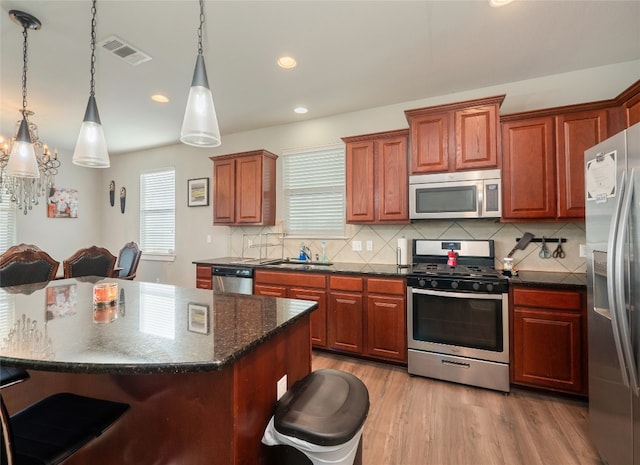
(434, 283)
(476, 286)
(422, 282)
(454, 284)
(489, 287)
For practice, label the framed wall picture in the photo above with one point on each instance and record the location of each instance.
(198, 318)
(198, 192)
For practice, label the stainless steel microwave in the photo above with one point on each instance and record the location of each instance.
(464, 194)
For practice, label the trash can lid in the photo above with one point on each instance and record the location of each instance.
(327, 407)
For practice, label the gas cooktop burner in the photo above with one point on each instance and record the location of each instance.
(441, 269)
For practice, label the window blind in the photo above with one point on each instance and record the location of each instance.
(158, 212)
(157, 310)
(314, 192)
(8, 230)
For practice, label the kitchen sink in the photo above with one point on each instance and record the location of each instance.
(302, 265)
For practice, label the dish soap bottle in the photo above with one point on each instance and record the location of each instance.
(303, 254)
(323, 244)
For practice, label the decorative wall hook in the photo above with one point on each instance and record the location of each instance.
(123, 198)
(112, 193)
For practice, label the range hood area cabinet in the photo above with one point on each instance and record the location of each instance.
(454, 137)
(543, 161)
(377, 180)
(244, 188)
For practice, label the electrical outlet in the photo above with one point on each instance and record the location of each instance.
(282, 387)
(369, 246)
(583, 251)
(356, 246)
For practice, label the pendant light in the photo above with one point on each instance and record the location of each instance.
(200, 124)
(91, 147)
(22, 158)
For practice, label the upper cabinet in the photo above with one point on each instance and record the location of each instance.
(543, 161)
(629, 101)
(377, 178)
(454, 137)
(244, 188)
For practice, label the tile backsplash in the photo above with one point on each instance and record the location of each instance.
(245, 241)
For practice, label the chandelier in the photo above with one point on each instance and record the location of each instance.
(27, 167)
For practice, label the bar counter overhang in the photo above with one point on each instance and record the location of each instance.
(198, 368)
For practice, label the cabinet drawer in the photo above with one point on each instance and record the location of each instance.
(346, 283)
(203, 272)
(531, 297)
(291, 279)
(386, 286)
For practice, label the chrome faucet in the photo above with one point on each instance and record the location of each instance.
(306, 252)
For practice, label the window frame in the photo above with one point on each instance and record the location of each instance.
(158, 255)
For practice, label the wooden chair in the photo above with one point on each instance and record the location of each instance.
(52, 429)
(26, 264)
(128, 260)
(90, 261)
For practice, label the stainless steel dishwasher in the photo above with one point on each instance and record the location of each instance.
(238, 279)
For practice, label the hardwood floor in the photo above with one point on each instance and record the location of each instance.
(421, 421)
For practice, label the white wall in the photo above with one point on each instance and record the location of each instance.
(101, 224)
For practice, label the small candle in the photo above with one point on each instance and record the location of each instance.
(105, 294)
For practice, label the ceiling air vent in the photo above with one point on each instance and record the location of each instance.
(124, 51)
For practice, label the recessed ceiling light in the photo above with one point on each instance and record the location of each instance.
(301, 110)
(159, 98)
(287, 62)
(499, 3)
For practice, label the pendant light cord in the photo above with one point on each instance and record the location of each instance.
(24, 72)
(93, 49)
(200, 27)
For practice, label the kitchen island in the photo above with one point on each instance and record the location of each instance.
(198, 368)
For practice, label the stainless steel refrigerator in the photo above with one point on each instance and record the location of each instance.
(612, 184)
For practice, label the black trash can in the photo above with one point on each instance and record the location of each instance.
(319, 421)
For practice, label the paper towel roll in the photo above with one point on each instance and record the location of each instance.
(402, 256)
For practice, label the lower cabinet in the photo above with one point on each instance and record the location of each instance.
(356, 314)
(203, 277)
(549, 339)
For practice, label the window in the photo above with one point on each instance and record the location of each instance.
(158, 214)
(314, 197)
(8, 235)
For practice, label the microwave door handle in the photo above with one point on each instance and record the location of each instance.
(480, 189)
(619, 261)
(611, 276)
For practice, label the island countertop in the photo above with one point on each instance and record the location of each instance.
(156, 328)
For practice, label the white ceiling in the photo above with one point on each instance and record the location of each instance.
(351, 55)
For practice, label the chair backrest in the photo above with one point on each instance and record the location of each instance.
(90, 261)
(128, 260)
(6, 440)
(26, 264)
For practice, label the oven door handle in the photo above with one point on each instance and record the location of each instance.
(460, 295)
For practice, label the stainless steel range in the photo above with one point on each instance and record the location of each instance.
(457, 314)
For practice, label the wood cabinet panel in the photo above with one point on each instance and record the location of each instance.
(430, 140)
(318, 317)
(476, 138)
(244, 188)
(377, 179)
(386, 286)
(528, 169)
(224, 187)
(346, 283)
(549, 339)
(392, 179)
(270, 290)
(360, 181)
(386, 327)
(203, 277)
(287, 278)
(345, 322)
(575, 133)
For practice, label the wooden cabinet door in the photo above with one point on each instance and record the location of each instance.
(575, 132)
(476, 138)
(549, 349)
(270, 290)
(392, 179)
(386, 327)
(249, 189)
(345, 320)
(360, 181)
(528, 169)
(430, 141)
(203, 277)
(224, 185)
(318, 317)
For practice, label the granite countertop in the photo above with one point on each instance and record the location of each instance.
(335, 267)
(550, 279)
(156, 328)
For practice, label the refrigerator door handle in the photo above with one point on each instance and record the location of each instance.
(625, 334)
(611, 278)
